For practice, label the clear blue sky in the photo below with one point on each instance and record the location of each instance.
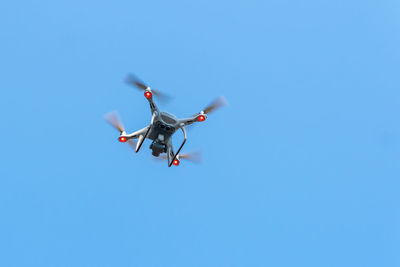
(301, 169)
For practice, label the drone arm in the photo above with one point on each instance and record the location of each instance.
(195, 118)
(141, 134)
(136, 134)
(149, 96)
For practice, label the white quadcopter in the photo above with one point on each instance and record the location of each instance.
(162, 126)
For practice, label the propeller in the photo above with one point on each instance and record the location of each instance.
(131, 79)
(113, 119)
(217, 103)
(195, 157)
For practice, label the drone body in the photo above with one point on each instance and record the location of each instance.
(162, 126)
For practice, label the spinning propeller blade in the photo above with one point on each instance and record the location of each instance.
(217, 103)
(135, 81)
(113, 119)
(195, 157)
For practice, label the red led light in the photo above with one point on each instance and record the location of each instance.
(148, 94)
(201, 118)
(175, 162)
(122, 139)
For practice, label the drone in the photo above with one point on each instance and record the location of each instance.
(162, 126)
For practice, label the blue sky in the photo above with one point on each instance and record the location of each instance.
(301, 169)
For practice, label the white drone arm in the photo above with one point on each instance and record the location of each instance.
(149, 95)
(141, 134)
(196, 118)
(136, 134)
